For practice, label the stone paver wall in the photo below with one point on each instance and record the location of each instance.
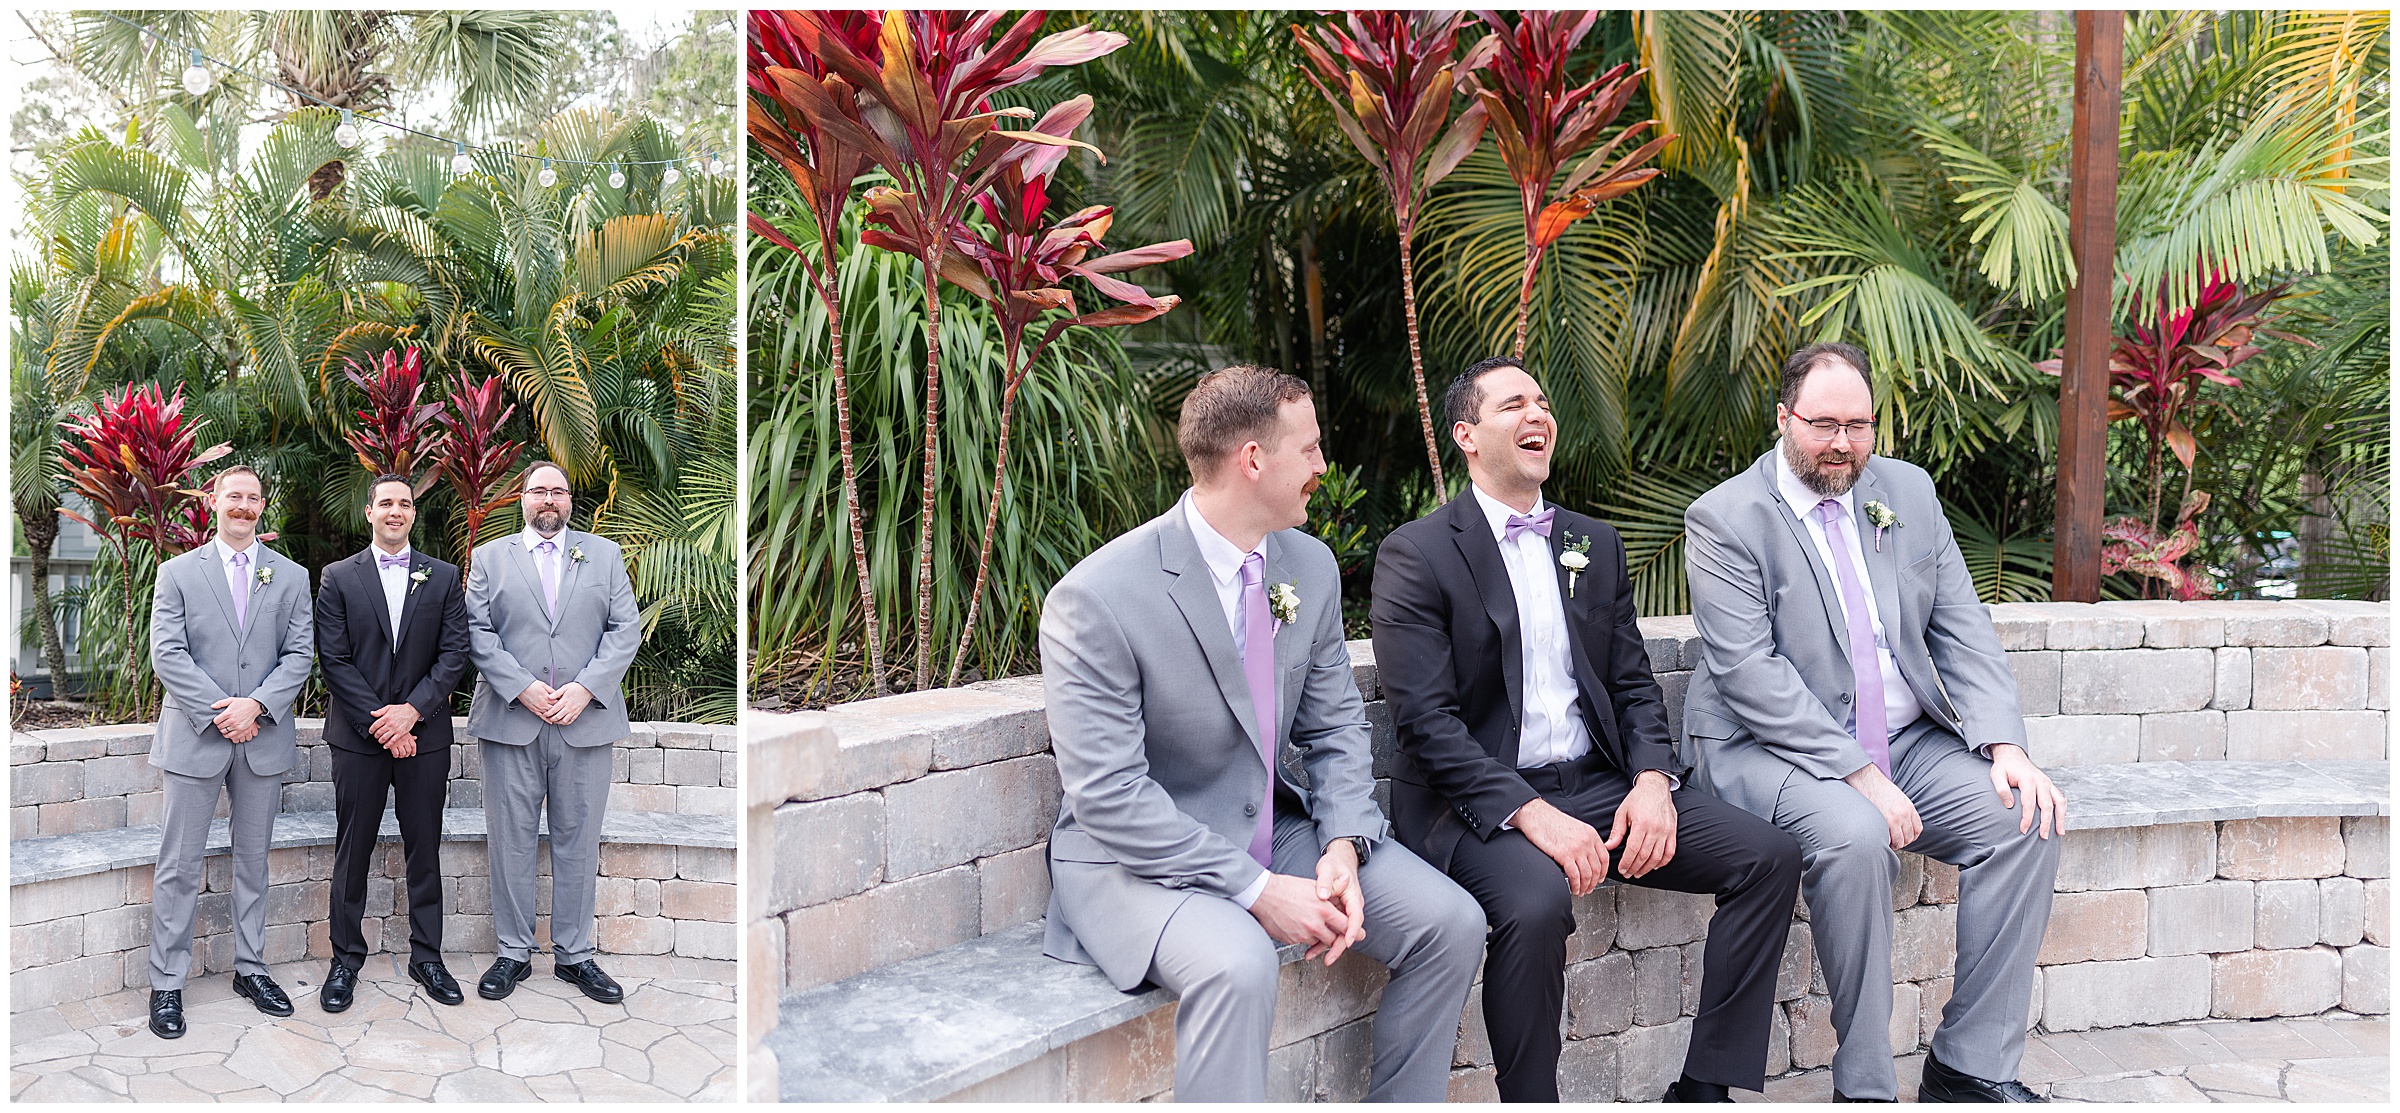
(64, 782)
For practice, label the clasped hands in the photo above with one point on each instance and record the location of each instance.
(1644, 829)
(1329, 914)
(237, 718)
(558, 706)
(395, 729)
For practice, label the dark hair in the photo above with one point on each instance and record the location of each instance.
(1231, 407)
(1464, 400)
(526, 476)
(239, 469)
(1797, 369)
(390, 477)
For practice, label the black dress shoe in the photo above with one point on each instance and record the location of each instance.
(264, 993)
(166, 1013)
(437, 981)
(340, 983)
(1944, 1083)
(502, 978)
(1693, 1090)
(587, 977)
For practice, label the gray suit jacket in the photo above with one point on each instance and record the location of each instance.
(514, 639)
(1157, 745)
(201, 656)
(1773, 690)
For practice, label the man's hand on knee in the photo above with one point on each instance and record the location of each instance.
(1569, 841)
(1291, 911)
(1899, 812)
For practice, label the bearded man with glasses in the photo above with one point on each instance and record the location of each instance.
(553, 626)
(1853, 692)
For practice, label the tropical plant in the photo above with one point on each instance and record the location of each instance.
(926, 114)
(480, 465)
(399, 432)
(1394, 100)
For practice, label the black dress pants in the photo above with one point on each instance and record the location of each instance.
(1751, 867)
(361, 782)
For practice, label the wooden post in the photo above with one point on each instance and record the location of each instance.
(2092, 238)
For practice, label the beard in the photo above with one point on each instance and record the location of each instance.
(549, 521)
(1813, 475)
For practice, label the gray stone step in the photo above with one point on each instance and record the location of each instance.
(57, 856)
(2155, 792)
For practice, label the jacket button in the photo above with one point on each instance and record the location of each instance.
(1845, 697)
(1249, 809)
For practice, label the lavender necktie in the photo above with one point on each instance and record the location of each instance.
(1258, 667)
(549, 568)
(241, 598)
(1866, 665)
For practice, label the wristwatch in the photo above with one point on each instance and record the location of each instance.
(1358, 844)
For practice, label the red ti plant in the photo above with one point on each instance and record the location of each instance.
(2133, 545)
(823, 167)
(1394, 80)
(132, 460)
(1019, 270)
(398, 431)
(923, 115)
(1539, 124)
(477, 465)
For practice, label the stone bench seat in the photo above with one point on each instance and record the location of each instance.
(992, 1019)
(93, 852)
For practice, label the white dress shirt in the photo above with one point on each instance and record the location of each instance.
(1900, 706)
(552, 566)
(395, 588)
(239, 580)
(1224, 560)
(1551, 728)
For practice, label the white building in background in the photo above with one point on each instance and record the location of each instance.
(70, 567)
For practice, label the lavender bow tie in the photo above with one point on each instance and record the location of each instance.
(391, 560)
(1538, 523)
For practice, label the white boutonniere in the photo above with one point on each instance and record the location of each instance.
(1283, 601)
(575, 554)
(1575, 559)
(1883, 518)
(417, 579)
(266, 574)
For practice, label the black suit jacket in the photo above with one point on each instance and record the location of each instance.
(368, 665)
(1448, 648)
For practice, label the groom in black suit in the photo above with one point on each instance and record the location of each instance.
(1529, 723)
(392, 637)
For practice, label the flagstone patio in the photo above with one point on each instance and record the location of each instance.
(672, 1039)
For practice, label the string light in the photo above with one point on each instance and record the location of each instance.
(195, 76)
(672, 175)
(716, 168)
(547, 177)
(460, 164)
(346, 132)
(616, 178)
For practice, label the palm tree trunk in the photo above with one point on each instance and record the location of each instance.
(991, 515)
(41, 534)
(831, 291)
(1416, 357)
(926, 505)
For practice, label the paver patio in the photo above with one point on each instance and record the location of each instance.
(672, 1039)
(2333, 1058)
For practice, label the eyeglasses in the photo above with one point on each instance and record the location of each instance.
(547, 492)
(1826, 428)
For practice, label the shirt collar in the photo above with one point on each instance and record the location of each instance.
(534, 537)
(405, 550)
(225, 551)
(1799, 496)
(1224, 557)
(1497, 512)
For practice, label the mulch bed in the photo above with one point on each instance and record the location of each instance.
(809, 685)
(42, 714)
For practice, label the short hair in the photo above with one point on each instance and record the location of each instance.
(1464, 400)
(238, 469)
(1229, 408)
(526, 477)
(1805, 361)
(390, 477)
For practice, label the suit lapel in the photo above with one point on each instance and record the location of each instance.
(370, 578)
(1196, 596)
(568, 567)
(1574, 602)
(1291, 646)
(1827, 594)
(212, 565)
(1883, 565)
(417, 562)
(521, 557)
(1475, 542)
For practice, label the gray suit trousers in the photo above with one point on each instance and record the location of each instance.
(191, 802)
(1222, 967)
(516, 781)
(1847, 873)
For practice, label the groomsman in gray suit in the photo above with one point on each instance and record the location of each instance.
(1853, 692)
(231, 641)
(553, 626)
(1180, 663)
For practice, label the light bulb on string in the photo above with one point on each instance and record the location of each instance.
(195, 76)
(616, 177)
(460, 164)
(346, 132)
(547, 177)
(672, 175)
(716, 168)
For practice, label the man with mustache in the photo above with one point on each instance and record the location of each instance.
(230, 642)
(1529, 723)
(552, 627)
(392, 637)
(1178, 662)
(1852, 690)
